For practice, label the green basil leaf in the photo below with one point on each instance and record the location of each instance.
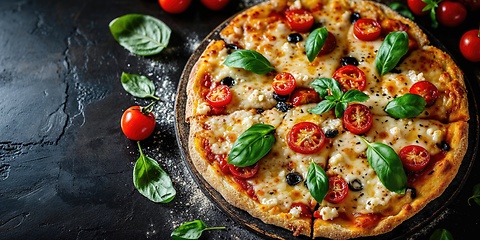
(340, 109)
(393, 48)
(140, 34)
(314, 43)
(441, 234)
(402, 9)
(151, 180)
(354, 95)
(192, 230)
(138, 85)
(252, 145)
(322, 107)
(387, 165)
(406, 106)
(249, 60)
(325, 86)
(317, 182)
(476, 195)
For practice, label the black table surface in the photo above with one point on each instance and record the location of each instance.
(65, 165)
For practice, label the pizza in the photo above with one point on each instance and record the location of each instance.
(329, 118)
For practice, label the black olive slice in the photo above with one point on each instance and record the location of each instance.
(355, 185)
(294, 178)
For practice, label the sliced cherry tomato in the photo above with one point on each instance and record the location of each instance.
(223, 163)
(337, 189)
(350, 77)
(246, 186)
(416, 6)
(470, 45)
(174, 6)
(215, 5)
(301, 96)
(219, 96)
(357, 118)
(450, 13)
(305, 211)
(414, 158)
(299, 20)
(367, 29)
(306, 138)
(425, 89)
(284, 83)
(137, 125)
(330, 44)
(244, 172)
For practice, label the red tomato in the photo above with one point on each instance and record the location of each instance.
(367, 29)
(305, 211)
(330, 44)
(299, 20)
(414, 158)
(301, 96)
(306, 138)
(244, 172)
(215, 4)
(416, 6)
(337, 189)
(357, 118)
(470, 45)
(174, 6)
(350, 77)
(284, 83)
(219, 96)
(425, 89)
(137, 125)
(450, 13)
(246, 186)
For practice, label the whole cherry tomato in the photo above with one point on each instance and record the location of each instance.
(306, 138)
(174, 6)
(137, 125)
(470, 45)
(417, 6)
(244, 172)
(299, 20)
(414, 158)
(450, 13)
(425, 89)
(350, 77)
(337, 189)
(219, 96)
(215, 4)
(367, 29)
(284, 83)
(357, 118)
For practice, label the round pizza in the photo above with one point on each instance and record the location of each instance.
(329, 118)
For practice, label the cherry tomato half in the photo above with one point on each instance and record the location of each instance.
(244, 172)
(367, 29)
(305, 211)
(450, 13)
(337, 189)
(470, 45)
(137, 125)
(219, 96)
(306, 138)
(357, 118)
(215, 5)
(425, 89)
(417, 6)
(174, 6)
(284, 83)
(301, 96)
(350, 77)
(299, 20)
(414, 158)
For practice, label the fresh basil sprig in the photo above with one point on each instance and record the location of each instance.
(314, 43)
(192, 230)
(338, 99)
(317, 182)
(151, 180)
(406, 106)
(441, 234)
(387, 165)
(252, 145)
(140, 34)
(138, 85)
(476, 195)
(249, 60)
(393, 48)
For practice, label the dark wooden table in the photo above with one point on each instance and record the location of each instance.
(65, 166)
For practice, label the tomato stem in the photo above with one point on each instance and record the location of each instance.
(147, 109)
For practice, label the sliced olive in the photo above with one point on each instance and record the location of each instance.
(229, 81)
(283, 106)
(355, 185)
(294, 38)
(354, 17)
(413, 192)
(294, 178)
(444, 146)
(349, 61)
(280, 98)
(331, 133)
